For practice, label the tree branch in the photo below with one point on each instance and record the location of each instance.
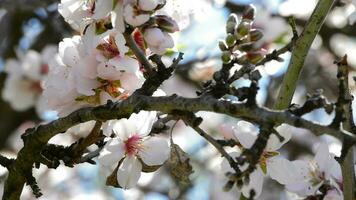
(300, 51)
(36, 138)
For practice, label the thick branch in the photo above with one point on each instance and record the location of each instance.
(37, 138)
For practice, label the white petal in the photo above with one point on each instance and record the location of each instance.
(108, 127)
(108, 72)
(281, 170)
(133, 19)
(130, 82)
(124, 128)
(129, 172)
(274, 143)
(245, 133)
(117, 17)
(144, 121)
(102, 9)
(85, 86)
(352, 18)
(324, 159)
(112, 153)
(155, 152)
(147, 5)
(256, 183)
(121, 43)
(125, 64)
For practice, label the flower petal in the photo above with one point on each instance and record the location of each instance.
(144, 121)
(155, 152)
(245, 133)
(256, 183)
(274, 143)
(112, 153)
(129, 172)
(281, 170)
(124, 128)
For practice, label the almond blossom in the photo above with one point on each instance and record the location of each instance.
(269, 164)
(23, 85)
(95, 68)
(311, 175)
(80, 13)
(132, 147)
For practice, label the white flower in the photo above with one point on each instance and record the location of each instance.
(323, 169)
(91, 70)
(23, 85)
(80, 13)
(157, 40)
(246, 134)
(132, 16)
(133, 144)
(59, 88)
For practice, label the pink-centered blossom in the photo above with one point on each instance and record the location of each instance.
(246, 134)
(133, 145)
(312, 174)
(24, 82)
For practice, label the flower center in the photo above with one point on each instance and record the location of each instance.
(36, 87)
(133, 144)
(109, 48)
(44, 69)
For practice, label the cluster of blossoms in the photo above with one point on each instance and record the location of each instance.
(97, 65)
(25, 76)
(313, 178)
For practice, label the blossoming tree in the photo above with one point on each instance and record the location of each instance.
(114, 89)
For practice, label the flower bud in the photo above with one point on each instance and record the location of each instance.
(243, 29)
(222, 45)
(255, 35)
(231, 23)
(226, 57)
(249, 13)
(230, 40)
(255, 56)
(245, 47)
(166, 23)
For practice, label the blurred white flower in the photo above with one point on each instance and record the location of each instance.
(311, 175)
(269, 164)
(23, 85)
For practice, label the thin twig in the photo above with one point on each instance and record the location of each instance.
(141, 57)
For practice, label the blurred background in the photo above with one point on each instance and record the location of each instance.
(36, 26)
